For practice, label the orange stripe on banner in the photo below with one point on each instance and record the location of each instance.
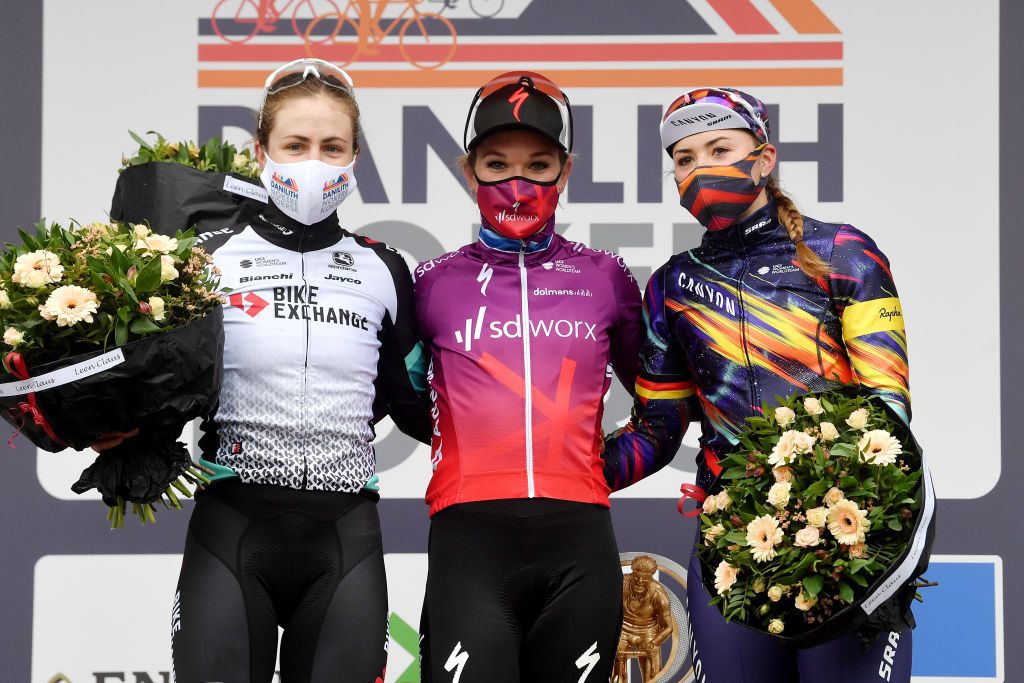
(805, 16)
(639, 78)
(609, 52)
(742, 16)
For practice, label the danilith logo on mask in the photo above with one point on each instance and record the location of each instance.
(332, 187)
(287, 185)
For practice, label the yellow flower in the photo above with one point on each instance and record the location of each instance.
(778, 494)
(828, 431)
(712, 534)
(776, 626)
(817, 517)
(724, 501)
(158, 243)
(878, 447)
(167, 270)
(5, 301)
(812, 406)
(784, 473)
(141, 231)
(13, 337)
(37, 268)
(725, 577)
(804, 602)
(847, 522)
(70, 305)
(833, 496)
(156, 305)
(808, 537)
(775, 593)
(784, 416)
(710, 505)
(784, 452)
(858, 551)
(763, 534)
(858, 419)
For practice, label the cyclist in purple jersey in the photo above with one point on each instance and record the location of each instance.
(770, 303)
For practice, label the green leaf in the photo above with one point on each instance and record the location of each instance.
(143, 324)
(845, 592)
(844, 449)
(816, 489)
(856, 565)
(142, 143)
(120, 333)
(148, 279)
(895, 525)
(124, 314)
(858, 579)
(129, 292)
(813, 584)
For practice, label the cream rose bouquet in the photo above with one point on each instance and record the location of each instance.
(111, 327)
(823, 523)
(214, 155)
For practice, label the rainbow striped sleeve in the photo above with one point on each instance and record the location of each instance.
(664, 403)
(869, 306)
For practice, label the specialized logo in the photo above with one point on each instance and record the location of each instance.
(517, 98)
(457, 661)
(588, 659)
(484, 277)
(251, 304)
(513, 329)
(888, 656)
(286, 185)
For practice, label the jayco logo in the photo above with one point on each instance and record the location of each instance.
(513, 329)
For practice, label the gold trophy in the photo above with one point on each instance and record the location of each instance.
(647, 621)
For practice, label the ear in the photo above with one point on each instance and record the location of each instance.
(563, 179)
(470, 177)
(765, 163)
(261, 156)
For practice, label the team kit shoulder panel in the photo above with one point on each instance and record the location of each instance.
(511, 335)
(303, 325)
(754, 326)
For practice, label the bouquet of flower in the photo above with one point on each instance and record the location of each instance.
(177, 185)
(111, 327)
(824, 521)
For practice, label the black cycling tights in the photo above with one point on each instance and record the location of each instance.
(525, 590)
(258, 557)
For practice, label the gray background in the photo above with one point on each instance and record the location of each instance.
(32, 524)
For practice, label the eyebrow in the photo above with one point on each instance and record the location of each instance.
(303, 138)
(706, 144)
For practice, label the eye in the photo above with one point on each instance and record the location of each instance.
(294, 147)
(333, 149)
(721, 150)
(684, 160)
(540, 166)
(496, 165)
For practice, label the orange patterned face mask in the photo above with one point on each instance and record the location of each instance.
(717, 195)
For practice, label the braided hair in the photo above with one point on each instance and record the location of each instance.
(809, 262)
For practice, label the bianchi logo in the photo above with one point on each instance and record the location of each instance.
(477, 327)
(257, 278)
(262, 262)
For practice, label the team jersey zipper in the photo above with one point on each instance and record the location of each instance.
(744, 341)
(527, 373)
(305, 358)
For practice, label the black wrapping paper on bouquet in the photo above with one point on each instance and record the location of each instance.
(138, 470)
(172, 197)
(164, 381)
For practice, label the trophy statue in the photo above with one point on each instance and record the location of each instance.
(647, 620)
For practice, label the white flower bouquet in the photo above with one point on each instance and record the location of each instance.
(172, 186)
(109, 328)
(824, 521)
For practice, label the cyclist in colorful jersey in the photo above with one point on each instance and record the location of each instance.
(319, 328)
(770, 304)
(524, 578)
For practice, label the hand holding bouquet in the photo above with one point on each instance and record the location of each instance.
(825, 518)
(110, 327)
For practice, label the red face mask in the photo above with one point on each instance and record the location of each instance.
(516, 207)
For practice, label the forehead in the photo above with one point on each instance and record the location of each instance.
(507, 142)
(701, 140)
(312, 116)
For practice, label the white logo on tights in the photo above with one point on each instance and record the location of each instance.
(588, 659)
(457, 661)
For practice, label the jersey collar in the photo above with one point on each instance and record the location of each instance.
(287, 233)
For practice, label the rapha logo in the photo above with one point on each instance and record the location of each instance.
(251, 304)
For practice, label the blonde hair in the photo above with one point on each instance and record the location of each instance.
(810, 263)
(309, 87)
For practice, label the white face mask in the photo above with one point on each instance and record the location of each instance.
(308, 191)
